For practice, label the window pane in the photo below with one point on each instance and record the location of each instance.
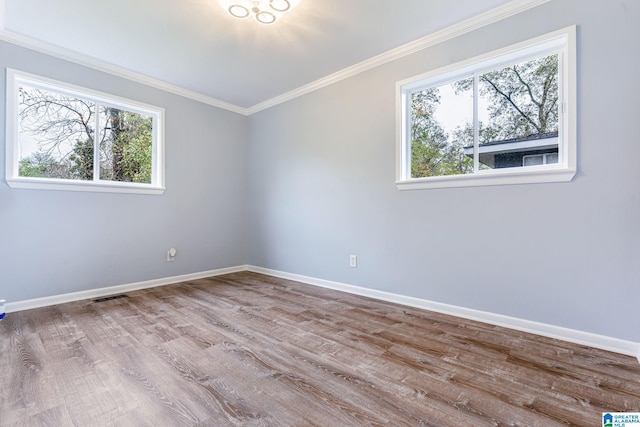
(442, 130)
(532, 160)
(56, 134)
(126, 145)
(519, 112)
(551, 158)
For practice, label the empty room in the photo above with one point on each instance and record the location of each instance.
(319, 213)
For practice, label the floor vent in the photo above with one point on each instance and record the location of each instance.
(110, 298)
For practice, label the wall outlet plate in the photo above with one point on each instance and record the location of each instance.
(353, 261)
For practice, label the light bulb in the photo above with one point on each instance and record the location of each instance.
(280, 5)
(265, 17)
(238, 11)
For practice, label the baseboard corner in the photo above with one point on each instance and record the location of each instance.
(110, 290)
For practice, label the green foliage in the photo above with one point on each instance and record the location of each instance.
(432, 153)
(522, 101)
(430, 160)
(82, 160)
(78, 165)
(43, 165)
(128, 149)
(524, 98)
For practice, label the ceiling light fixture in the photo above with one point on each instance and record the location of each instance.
(265, 11)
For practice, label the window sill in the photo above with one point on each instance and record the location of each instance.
(506, 177)
(100, 187)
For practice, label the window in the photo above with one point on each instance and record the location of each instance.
(507, 117)
(64, 137)
(540, 159)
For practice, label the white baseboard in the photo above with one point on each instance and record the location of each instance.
(101, 292)
(616, 345)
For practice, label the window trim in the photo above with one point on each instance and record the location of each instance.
(562, 41)
(13, 80)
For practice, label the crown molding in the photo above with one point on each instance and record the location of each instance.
(502, 12)
(96, 64)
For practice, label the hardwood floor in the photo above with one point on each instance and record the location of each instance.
(252, 350)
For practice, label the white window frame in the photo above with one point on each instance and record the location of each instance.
(562, 42)
(15, 78)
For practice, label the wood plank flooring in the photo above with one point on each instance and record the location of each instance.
(252, 350)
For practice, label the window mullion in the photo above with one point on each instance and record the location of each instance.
(476, 130)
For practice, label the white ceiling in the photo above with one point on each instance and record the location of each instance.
(196, 45)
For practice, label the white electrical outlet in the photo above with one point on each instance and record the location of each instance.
(353, 261)
(171, 254)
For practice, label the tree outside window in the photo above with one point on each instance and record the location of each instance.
(515, 103)
(58, 138)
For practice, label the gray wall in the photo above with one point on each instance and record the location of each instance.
(321, 187)
(54, 242)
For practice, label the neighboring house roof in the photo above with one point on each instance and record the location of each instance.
(531, 143)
